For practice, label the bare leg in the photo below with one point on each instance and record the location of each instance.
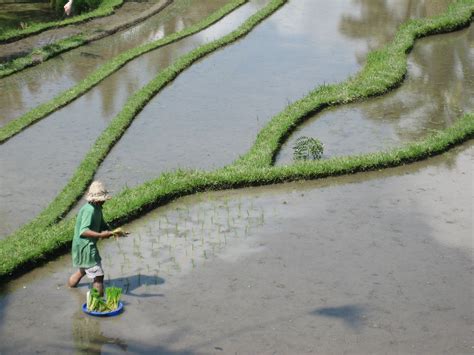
(75, 278)
(99, 284)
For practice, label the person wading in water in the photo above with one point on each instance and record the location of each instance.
(90, 227)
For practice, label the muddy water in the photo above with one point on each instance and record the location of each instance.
(439, 89)
(371, 263)
(29, 88)
(212, 113)
(45, 149)
(255, 79)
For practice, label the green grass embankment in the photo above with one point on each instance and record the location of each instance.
(106, 8)
(32, 245)
(19, 255)
(62, 99)
(40, 55)
(35, 236)
(384, 70)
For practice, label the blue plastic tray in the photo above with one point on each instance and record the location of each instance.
(103, 314)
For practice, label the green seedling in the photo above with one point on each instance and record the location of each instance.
(97, 304)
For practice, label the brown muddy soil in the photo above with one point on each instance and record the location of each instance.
(129, 14)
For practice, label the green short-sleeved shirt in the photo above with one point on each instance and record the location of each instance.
(84, 250)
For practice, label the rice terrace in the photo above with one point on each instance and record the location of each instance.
(236, 176)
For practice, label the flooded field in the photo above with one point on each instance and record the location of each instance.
(26, 89)
(256, 78)
(82, 121)
(369, 263)
(439, 89)
(299, 48)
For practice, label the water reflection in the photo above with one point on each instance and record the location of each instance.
(29, 88)
(438, 89)
(304, 237)
(205, 104)
(177, 239)
(82, 121)
(87, 333)
(375, 21)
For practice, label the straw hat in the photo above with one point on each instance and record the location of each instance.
(97, 192)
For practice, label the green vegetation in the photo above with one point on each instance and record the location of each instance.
(308, 148)
(40, 55)
(112, 295)
(85, 172)
(384, 70)
(82, 6)
(16, 16)
(106, 8)
(97, 304)
(62, 99)
(58, 6)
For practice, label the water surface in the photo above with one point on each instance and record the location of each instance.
(38, 162)
(377, 262)
(26, 89)
(206, 118)
(439, 89)
(212, 113)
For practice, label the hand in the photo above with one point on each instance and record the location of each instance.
(106, 234)
(119, 232)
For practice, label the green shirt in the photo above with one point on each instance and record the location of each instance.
(84, 250)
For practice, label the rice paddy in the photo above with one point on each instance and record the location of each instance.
(274, 265)
(383, 70)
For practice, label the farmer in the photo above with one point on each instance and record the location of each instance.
(68, 8)
(90, 227)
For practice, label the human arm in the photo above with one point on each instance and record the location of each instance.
(91, 234)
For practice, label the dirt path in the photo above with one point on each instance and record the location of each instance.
(129, 14)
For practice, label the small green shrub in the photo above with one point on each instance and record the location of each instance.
(58, 6)
(308, 148)
(81, 6)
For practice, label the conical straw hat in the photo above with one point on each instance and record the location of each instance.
(97, 192)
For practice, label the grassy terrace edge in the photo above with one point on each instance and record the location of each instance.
(45, 53)
(42, 54)
(31, 246)
(35, 232)
(133, 203)
(62, 99)
(107, 8)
